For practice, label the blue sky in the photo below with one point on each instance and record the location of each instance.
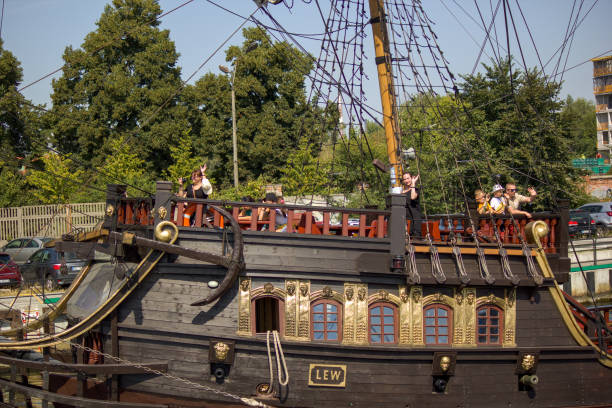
(37, 32)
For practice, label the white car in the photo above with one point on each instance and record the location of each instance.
(21, 249)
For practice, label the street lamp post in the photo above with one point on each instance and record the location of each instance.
(234, 138)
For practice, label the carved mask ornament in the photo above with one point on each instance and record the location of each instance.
(470, 298)
(221, 350)
(404, 296)
(416, 295)
(459, 298)
(304, 290)
(445, 363)
(244, 285)
(268, 287)
(528, 362)
(349, 293)
(361, 294)
(327, 292)
(291, 289)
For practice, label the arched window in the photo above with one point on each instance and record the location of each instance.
(383, 323)
(437, 325)
(266, 314)
(489, 324)
(326, 320)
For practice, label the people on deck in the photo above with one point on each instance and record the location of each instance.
(280, 218)
(497, 202)
(483, 202)
(200, 187)
(514, 200)
(413, 208)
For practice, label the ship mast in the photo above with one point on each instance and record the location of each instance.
(387, 93)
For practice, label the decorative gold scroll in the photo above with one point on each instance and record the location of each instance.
(469, 317)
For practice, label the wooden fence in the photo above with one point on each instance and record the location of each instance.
(48, 220)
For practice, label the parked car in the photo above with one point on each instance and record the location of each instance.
(21, 249)
(601, 213)
(9, 271)
(47, 266)
(581, 225)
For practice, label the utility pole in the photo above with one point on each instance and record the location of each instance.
(234, 138)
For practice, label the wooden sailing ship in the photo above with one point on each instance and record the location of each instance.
(323, 314)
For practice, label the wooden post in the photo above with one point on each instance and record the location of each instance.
(81, 382)
(563, 235)
(397, 224)
(114, 386)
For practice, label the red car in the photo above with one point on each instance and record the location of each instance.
(9, 271)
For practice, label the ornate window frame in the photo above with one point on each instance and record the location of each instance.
(500, 325)
(339, 316)
(394, 308)
(449, 327)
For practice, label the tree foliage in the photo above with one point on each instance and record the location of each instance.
(122, 82)
(272, 114)
(57, 182)
(20, 126)
(578, 124)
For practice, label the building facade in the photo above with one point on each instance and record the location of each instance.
(602, 88)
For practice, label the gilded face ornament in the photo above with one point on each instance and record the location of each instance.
(528, 362)
(404, 296)
(291, 289)
(349, 293)
(221, 350)
(244, 285)
(304, 290)
(416, 295)
(470, 298)
(361, 294)
(445, 363)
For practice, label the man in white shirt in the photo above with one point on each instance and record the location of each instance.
(514, 200)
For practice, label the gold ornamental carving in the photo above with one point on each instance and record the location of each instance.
(361, 331)
(416, 307)
(327, 292)
(528, 362)
(304, 311)
(404, 316)
(349, 315)
(509, 307)
(268, 288)
(162, 213)
(110, 210)
(469, 317)
(471, 297)
(244, 308)
(291, 310)
(445, 363)
(221, 350)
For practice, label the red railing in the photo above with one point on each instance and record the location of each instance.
(589, 322)
(347, 222)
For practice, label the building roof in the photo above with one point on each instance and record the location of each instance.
(607, 57)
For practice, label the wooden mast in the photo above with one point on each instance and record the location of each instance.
(387, 93)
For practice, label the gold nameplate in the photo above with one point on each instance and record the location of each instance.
(327, 375)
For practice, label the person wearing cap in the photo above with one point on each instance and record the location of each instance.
(514, 200)
(200, 187)
(497, 202)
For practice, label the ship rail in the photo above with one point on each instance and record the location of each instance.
(338, 221)
(591, 323)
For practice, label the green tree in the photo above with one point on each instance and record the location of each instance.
(304, 174)
(183, 160)
(271, 109)
(125, 166)
(20, 126)
(123, 81)
(578, 124)
(517, 123)
(57, 182)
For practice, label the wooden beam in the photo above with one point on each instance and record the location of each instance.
(92, 369)
(74, 401)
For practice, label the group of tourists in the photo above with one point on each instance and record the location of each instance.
(504, 202)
